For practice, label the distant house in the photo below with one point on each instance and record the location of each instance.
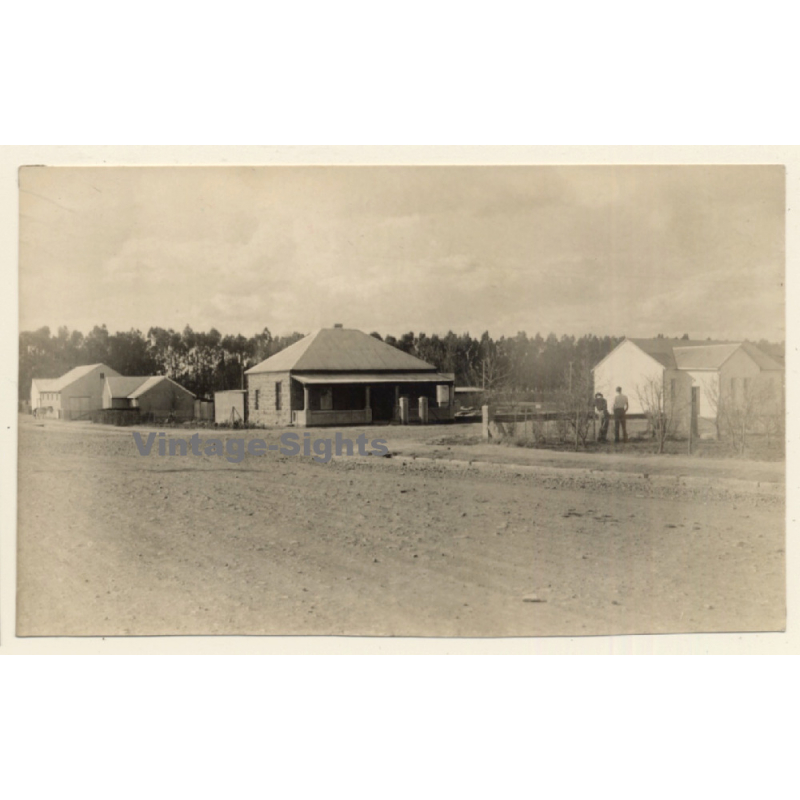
(72, 396)
(341, 376)
(43, 395)
(156, 396)
(713, 372)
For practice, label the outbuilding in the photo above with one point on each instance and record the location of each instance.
(342, 376)
(690, 376)
(230, 407)
(156, 396)
(75, 395)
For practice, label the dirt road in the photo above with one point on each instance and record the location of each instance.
(113, 543)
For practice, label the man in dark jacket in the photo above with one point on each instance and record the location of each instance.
(601, 407)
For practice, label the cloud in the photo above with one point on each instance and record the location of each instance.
(636, 250)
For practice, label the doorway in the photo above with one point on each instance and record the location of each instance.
(382, 402)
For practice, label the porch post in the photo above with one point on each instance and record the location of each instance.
(305, 397)
(404, 411)
(423, 410)
(366, 392)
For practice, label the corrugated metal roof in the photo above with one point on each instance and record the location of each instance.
(75, 373)
(133, 387)
(699, 354)
(122, 387)
(148, 384)
(376, 377)
(704, 357)
(154, 380)
(341, 350)
(763, 360)
(663, 350)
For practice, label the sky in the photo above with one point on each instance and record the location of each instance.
(605, 250)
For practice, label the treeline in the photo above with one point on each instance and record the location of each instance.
(209, 362)
(202, 362)
(519, 365)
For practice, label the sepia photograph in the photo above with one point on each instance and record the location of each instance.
(401, 401)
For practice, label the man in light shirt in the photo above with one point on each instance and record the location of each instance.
(620, 407)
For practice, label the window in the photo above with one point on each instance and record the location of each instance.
(102, 376)
(745, 382)
(733, 388)
(277, 395)
(255, 400)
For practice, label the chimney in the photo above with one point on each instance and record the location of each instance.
(337, 325)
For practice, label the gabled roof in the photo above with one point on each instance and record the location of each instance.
(763, 360)
(57, 384)
(131, 388)
(341, 350)
(698, 354)
(122, 387)
(663, 350)
(711, 356)
(45, 384)
(148, 384)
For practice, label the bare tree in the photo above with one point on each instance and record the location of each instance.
(663, 413)
(757, 408)
(574, 402)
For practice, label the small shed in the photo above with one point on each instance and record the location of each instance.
(469, 397)
(156, 396)
(230, 407)
(203, 409)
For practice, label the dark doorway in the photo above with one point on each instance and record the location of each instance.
(382, 402)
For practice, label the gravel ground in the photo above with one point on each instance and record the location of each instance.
(113, 543)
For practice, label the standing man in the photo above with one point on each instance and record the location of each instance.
(601, 407)
(620, 407)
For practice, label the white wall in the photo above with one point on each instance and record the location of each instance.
(89, 386)
(629, 367)
(767, 386)
(708, 383)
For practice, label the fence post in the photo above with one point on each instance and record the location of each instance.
(486, 420)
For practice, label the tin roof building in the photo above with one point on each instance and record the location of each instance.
(342, 376)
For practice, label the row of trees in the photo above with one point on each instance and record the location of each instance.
(204, 362)
(510, 369)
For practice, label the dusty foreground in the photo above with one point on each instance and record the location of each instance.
(113, 543)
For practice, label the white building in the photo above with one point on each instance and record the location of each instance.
(72, 396)
(679, 368)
